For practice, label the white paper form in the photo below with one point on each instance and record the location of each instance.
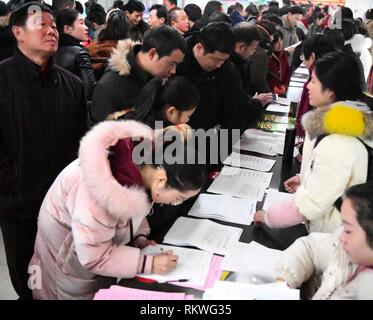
(226, 290)
(302, 70)
(192, 264)
(273, 196)
(224, 208)
(283, 101)
(241, 183)
(296, 84)
(276, 107)
(246, 161)
(252, 258)
(203, 234)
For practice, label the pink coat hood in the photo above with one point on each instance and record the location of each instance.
(119, 201)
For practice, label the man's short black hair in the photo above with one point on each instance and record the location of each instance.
(319, 44)
(296, 10)
(193, 12)
(20, 15)
(161, 12)
(245, 32)
(165, 40)
(217, 36)
(134, 5)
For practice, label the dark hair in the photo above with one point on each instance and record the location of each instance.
(165, 40)
(177, 91)
(161, 12)
(217, 36)
(79, 7)
(173, 15)
(62, 4)
(19, 16)
(273, 4)
(4, 10)
(211, 7)
(193, 12)
(362, 201)
(268, 26)
(252, 10)
(245, 32)
(173, 2)
(337, 36)
(230, 9)
(97, 16)
(220, 17)
(117, 27)
(296, 10)
(369, 14)
(347, 13)
(319, 44)
(273, 18)
(66, 17)
(277, 36)
(237, 7)
(340, 73)
(134, 5)
(349, 29)
(185, 173)
(118, 4)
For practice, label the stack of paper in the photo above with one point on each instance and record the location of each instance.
(192, 265)
(245, 161)
(276, 107)
(224, 208)
(203, 234)
(254, 259)
(226, 290)
(241, 183)
(124, 293)
(273, 196)
(259, 141)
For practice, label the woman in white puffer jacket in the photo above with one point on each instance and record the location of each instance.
(346, 265)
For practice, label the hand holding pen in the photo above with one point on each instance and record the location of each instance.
(164, 262)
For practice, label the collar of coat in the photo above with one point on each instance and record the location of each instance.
(121, 202)
(343, 117)
(119, 60)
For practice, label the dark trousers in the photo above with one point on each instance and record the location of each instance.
(19, 239)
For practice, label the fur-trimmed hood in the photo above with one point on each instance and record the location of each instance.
(119, 59)
(343, 117)
(119, 201)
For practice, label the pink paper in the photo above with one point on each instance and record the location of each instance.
(213, 275)
(124, 293)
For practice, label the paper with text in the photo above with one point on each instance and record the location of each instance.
(246, 161)
(225, 208)
(192, 264)
(252, 258)
(204, 234)
(273, 196)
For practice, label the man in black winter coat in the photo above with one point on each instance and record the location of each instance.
(131, 67)
(42, 118)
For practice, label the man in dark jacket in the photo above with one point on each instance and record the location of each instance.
(246, 39)
(223, 98)
(132, 66)
(42, 118)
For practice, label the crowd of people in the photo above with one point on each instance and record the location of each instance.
(80, 84)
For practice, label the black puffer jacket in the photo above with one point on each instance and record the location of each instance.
(75, 58)
(42, 118)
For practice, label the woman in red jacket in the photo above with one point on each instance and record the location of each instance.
(279, 72)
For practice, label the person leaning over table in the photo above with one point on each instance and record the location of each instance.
(92, 223)
(343, 260)
(339, 160)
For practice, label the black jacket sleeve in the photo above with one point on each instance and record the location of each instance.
(86, 73)
(258, 72)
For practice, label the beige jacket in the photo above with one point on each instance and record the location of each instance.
(322, 254)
